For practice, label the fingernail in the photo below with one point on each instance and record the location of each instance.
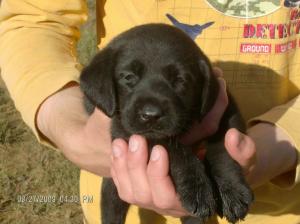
(155, 154)
(116, 150)
(133, 145)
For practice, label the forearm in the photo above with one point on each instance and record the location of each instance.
(84, 140)
(60, 114)
(275, 154)
(285, 135)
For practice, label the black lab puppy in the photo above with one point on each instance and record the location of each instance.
(153, 80)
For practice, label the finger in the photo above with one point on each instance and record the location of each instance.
(119, 170)
(163, 191)
(137, 166)
(218, 72)
(241, 148)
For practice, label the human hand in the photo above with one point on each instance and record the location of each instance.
(85, 140)
(253, 151)
(149, 185)
(265, 153)
(144, 184)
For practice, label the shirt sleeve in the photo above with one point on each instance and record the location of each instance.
(38, 50)
(286, 117)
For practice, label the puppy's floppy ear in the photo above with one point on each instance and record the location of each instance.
(97, 81)
(210, 89)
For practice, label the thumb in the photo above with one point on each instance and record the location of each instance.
(241, 148)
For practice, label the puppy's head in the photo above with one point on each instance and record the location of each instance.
(154, 79)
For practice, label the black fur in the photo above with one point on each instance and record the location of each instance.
(153, 80)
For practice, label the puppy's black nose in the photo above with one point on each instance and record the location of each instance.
(150, 113)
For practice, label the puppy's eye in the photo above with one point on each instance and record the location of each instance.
(176, 77)
(128, 79)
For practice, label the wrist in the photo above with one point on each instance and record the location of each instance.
(83, 139)
(43, 118)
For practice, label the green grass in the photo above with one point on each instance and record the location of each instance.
(30, 169)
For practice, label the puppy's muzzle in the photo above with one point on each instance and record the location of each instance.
(149, 116)
(152, 111)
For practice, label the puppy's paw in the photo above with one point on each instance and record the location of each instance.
(197, 198)
(236, 200)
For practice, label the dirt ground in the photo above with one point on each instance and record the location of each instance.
(33, 178)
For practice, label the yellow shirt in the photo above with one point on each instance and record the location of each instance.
(256, 43)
